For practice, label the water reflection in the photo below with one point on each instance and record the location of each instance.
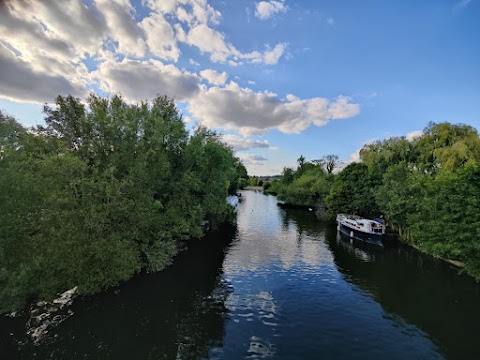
(279, 285)
(290, 300)
(362, 251)
(419, 290)
(176, 314)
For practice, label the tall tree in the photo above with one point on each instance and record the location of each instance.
(104, 190)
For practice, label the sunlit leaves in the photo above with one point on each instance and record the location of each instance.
(106, 189)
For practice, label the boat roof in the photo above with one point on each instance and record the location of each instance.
(359, 218)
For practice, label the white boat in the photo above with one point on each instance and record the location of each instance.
(232, 200)
(359, 228)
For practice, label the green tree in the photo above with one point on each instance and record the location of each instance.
(447, 221)
(328, 162)
(104, 190)
(352, 192)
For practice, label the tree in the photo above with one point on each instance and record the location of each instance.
(328, 162)
(104, 190)
(447, 221)
(301, 160)
(288, 175)
(400, 194)
(352, 192)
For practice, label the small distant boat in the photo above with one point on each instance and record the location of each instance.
(356, 227)
(232, 200)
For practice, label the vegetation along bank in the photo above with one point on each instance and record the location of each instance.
(428, 189)
(105, 190)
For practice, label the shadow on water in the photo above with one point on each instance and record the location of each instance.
(177, 313)
(305, 222)
(411, 287)
(422, 290)
(280, 284)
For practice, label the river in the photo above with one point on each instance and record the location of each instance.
(279, 284)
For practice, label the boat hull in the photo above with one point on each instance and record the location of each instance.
(360, 235)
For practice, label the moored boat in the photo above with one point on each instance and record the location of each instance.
(232, 200)
(359, 228)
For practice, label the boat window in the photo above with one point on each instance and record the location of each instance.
(361, 224)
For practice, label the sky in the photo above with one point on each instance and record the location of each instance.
(278, 79)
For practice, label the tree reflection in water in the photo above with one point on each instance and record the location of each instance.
(177, 313)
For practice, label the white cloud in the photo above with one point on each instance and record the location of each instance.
(342, 109)
(330, 21)
(195, 18)
(214, 77)
(29, 31)
(242, 144)
(20, 82)
(227, 107)
(414, 134)
(252, 159)
(54, 43)
(213, 42)
(155, 78)
(193, 62)
(208, 40)
(50, 41)
(119, 15)
(187, 11)
(106, 36)
(248, 112)
(354, 157)
(271, 57)
(266, 9)
(160, 37)
(82, 28)
(163, 6)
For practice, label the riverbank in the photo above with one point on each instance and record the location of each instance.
(255, 188)
(279, 284)
(321, 213)
(116, 201)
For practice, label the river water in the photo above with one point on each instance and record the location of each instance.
(279, 284)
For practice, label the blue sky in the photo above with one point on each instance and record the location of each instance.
(279, 78)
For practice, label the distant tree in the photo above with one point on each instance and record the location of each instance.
(288, 175)
(301, 160)
(241, 170)
(10, 132)
(328, 162)
(252, 181)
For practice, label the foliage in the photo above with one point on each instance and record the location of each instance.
(104, 190)
(352, 192)
(428, 188)
(447, 221)
(328, 162)
(307, 186)
(253, 181)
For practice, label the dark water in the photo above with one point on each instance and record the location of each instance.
(279, 285)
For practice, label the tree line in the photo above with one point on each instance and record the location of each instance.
(104, 190)
(427, 188)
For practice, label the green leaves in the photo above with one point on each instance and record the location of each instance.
(430, 190)
(105, 190)
(352, 192)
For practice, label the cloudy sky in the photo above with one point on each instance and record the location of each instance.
(279, 78)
